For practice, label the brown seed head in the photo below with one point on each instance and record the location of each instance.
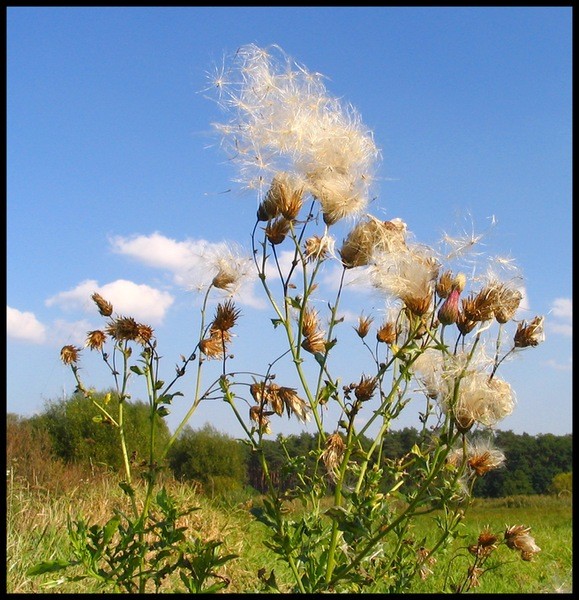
(145, 334)
(215, 345)
(313, 336)
(531, 334)
(418, 305)
(333, 453)
(261, 418)
(269, 207)
(225, 316)
(123, 328)
(363, 326)
(277, 230)
(69, 354)
(365, 389)
(518, 538)
(95, 340)
(387, 333)
(444, 284)
(508, 301)
(465, 326)
(482, 463)
(105, 308)
(316, 248)
(294, 404)
(370, 236)
(481, 307)
(487, 538)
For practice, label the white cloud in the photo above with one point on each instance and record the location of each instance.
(24, 326)
(140, 301)
(185, 260)
(190, 262)
(561, 320)
(563, 308)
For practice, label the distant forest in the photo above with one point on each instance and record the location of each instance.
(68, 433)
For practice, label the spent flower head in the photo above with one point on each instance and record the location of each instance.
(408, 275)
(69, 354)
(230, 265)
(105, 308)
(529, 334)
(284, 120)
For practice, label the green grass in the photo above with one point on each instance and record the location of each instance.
(36, 531)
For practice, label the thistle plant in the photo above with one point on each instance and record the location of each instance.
(145, 548)
(311, 163)
(445, 327)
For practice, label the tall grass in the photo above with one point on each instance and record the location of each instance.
(37, 531)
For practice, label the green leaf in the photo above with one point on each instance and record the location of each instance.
(137, 370)
(48, 567)
(110, 528)
(127, 488)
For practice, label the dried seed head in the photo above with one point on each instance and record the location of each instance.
(465, 326)
(269, 206)
(225, 317)
(531, 334)
(105, 308)
(363, 326)
(366, 387)
(518, 538)
(487, 538)
(317, 248)
(371, 236)
(294, 404)
(95, 340)
(123, 328)
(444, 284)
(333, 453)
(481, 307)
(215, 346)
(387, 333)
(482, 400)
(261, 418)
(145, 334)
(485, 461)
(507, 302)
(277, 230)
(313, 337)
(69, 354)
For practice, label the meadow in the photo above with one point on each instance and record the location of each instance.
(37, 531)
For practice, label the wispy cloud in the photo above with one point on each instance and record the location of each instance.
(561, 317)
(24, 326)
(189, 262)
(140, 301)
(560, 366)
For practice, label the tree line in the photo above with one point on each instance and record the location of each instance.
(69, 430)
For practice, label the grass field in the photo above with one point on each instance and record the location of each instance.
(37, 531)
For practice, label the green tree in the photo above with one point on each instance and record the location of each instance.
(562, 484)
(80, 434)
(209, 457)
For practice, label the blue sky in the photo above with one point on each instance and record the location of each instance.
(114, 171)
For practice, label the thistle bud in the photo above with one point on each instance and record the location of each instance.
(448, 313)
